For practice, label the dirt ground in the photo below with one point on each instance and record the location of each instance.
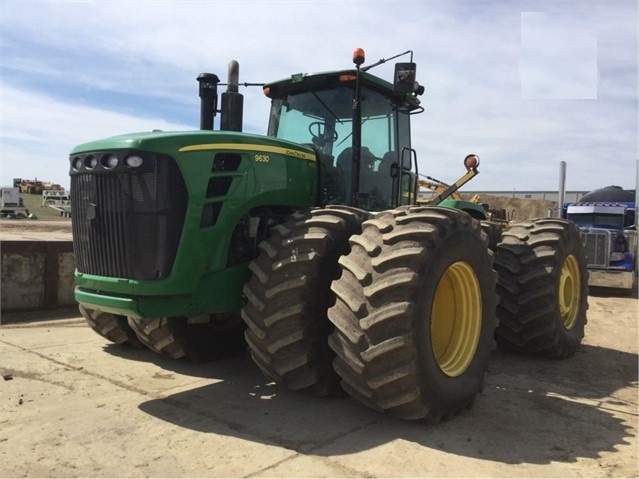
(74, 405)
(41, 230)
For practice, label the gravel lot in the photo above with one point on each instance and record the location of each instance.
(74, 405)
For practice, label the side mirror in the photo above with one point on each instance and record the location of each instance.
(404, 79)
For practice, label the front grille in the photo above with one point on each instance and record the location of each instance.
(127, 222)
(597, 246)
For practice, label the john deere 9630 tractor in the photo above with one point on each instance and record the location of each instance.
(307, 245)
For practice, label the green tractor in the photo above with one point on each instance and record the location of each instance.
(308, 245)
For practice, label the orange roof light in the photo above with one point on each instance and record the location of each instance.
(359, 56)
(266, 90)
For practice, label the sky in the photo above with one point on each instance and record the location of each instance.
(524, 84)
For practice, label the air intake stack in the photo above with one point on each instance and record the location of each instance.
(208, 99)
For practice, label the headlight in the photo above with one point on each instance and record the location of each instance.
(76, 163)
(133, 161)
(617, 256)
(90, 162)
(110, 161)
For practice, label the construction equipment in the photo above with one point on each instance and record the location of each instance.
(500, 216)
(444, 189)
(48, 186)
(31, 187)
(308, 244)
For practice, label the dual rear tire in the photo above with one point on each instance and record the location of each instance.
(399, 340)
(543, 288)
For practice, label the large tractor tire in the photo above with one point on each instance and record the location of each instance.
(492, 234)
(289, 293)
(415, 313)
(542, 288)
(176, 338)
(113, 327)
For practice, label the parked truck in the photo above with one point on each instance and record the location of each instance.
(307, 246)
(607, 220)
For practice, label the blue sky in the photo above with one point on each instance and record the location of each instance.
(523, 84)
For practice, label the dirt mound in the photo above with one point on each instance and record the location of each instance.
(520, 209)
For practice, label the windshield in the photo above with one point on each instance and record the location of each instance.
(597, 220)
(323, 119)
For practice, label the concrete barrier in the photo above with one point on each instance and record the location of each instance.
(36, 274)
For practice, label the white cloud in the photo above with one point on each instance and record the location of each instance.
(39, 132)
(75, 71)
(558, 56)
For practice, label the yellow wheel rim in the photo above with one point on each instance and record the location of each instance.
(569, 292)
(456, 319)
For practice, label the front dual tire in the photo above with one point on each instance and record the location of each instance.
(415, 313)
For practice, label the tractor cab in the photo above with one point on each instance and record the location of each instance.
(359, 128)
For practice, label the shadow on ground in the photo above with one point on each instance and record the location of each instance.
(613, 292)
(532, 411)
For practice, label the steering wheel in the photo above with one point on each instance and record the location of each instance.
(317, 129)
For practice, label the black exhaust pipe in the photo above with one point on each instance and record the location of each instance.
(232, 101)
(208, 99)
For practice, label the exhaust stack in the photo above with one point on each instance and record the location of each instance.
(232, 101)
(562, 188)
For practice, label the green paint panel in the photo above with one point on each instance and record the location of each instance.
(227, 175)
(475, 210)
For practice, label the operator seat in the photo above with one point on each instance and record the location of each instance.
(345, 160)
(374, 178)
(388, 159)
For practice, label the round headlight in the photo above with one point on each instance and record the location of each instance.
(133, 161)
(110, 161)
(90, 162)
(76, 163)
